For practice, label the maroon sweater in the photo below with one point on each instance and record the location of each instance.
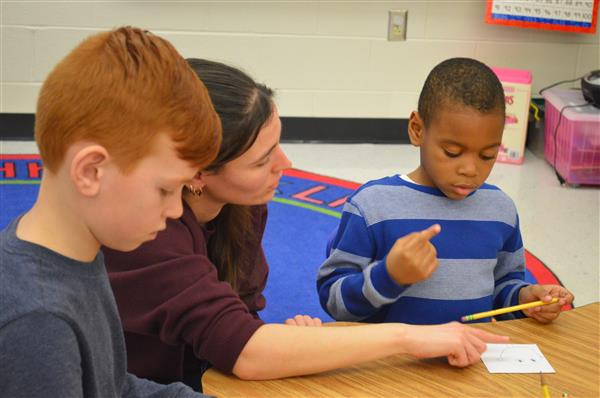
(175, 312)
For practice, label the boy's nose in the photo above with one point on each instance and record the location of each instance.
(174, 208)
(468, 169)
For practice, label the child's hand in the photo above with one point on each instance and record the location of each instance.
(303, 320)
(545, 313)
(413, 258)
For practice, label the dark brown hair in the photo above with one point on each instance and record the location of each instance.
(244, 107)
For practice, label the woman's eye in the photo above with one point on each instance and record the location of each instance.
(165, 192)
(264, 162)
(451, 154)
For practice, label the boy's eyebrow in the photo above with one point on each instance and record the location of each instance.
(177, 180)
(451, 142)
(493, 145)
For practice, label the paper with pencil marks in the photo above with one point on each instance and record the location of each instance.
(515, 358)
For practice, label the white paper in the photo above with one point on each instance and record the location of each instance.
(515, 358)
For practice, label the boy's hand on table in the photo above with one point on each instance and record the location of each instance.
(545, 293)
(413, 258)
(303, 320)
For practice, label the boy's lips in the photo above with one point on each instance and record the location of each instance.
(463, 190)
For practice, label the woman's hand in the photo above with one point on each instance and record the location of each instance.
(303, 320)
(545, 293)
(461, 344)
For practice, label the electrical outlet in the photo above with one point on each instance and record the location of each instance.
(397, 25)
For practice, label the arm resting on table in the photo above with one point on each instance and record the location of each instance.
(276, 351)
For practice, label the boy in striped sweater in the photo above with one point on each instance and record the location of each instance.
(438, 243)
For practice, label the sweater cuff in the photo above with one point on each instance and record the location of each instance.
(383, 282)
(226, 355)
(515, 301)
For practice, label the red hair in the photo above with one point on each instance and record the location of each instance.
(121, 89)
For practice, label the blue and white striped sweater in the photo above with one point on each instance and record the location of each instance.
(480, 252)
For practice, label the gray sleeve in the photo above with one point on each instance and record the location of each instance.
(137, 387)
(39, 357)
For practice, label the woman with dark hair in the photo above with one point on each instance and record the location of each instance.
(189, 299)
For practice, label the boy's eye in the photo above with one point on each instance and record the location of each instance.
(487, 157)
(451, 154)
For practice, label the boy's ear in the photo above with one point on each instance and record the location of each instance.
(415, 129)
(87, 169)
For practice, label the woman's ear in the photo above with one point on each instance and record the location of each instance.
(416, 129)
(87, 169)
(198, 182)
(198, 179)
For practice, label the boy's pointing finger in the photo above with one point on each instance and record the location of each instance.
(430, 232)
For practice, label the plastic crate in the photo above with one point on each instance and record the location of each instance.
(517, 94)
(574, 147)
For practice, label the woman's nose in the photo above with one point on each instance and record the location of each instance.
(282, 161)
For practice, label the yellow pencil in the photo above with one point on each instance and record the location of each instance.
(545, 391)
(505, 310)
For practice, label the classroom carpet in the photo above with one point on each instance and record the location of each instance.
(302, 217)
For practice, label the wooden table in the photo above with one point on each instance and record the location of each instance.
(570, 344)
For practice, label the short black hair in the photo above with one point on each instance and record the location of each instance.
(461, 82)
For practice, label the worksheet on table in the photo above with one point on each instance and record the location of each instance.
(515, 358)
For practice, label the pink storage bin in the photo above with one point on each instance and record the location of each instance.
(516, 84)
(577, 140)
(510, 75)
